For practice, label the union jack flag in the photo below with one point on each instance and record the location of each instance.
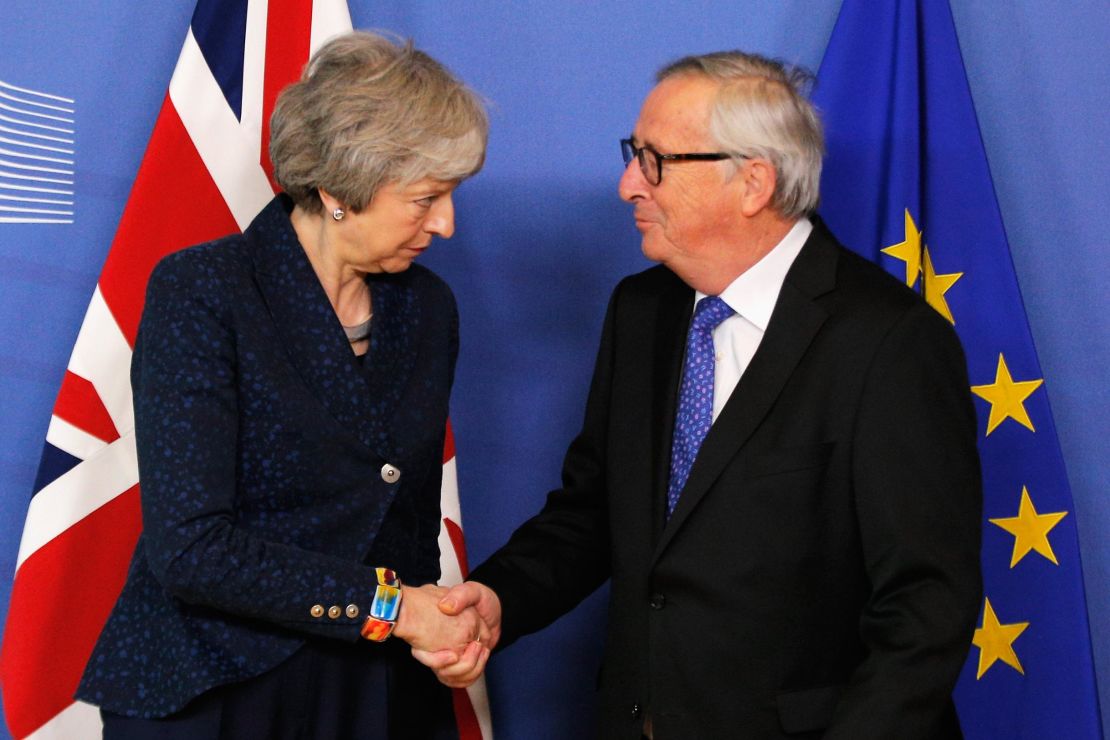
(206, 173)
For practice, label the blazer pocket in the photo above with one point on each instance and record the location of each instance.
(789, 459)
(808, 710)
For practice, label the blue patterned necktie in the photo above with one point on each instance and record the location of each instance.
(695, 396)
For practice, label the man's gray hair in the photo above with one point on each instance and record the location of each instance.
(371, 111)
(762, 111)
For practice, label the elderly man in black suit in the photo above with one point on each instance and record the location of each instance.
(777, 467)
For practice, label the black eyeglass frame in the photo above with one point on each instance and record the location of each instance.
(630, 150)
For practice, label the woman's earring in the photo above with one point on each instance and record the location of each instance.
(338, 214)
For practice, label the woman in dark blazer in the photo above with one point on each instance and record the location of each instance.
(291, 387)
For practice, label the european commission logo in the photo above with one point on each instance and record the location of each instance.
(36, 157)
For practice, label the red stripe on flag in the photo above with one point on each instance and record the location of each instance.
(173, 204)
(286, 55)
(466, 721)
(79, 404)
(449, 444)
(454, 531)
(61, 599)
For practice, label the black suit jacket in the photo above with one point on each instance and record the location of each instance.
(261, 442)
(820, 574)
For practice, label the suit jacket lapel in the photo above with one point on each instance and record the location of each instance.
(314, 340)
(672, 320)
(795, 321)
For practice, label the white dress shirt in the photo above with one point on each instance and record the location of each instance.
(752, 296)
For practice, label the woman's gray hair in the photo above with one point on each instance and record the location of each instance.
(370, 111)
(762, 111)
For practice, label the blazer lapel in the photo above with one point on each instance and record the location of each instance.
(311, 334)
(392, 358)
(672, 321)
(794, 323)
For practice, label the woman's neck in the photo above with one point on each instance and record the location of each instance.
(345, 287)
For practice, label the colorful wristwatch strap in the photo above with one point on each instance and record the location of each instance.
(384, 608)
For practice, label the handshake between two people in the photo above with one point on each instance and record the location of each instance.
(452, 631)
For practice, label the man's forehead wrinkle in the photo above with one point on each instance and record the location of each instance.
(675, 136)
(674, 139)
(673, 119)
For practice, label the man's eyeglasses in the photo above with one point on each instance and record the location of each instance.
(651, 161)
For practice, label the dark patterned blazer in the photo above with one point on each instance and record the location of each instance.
(263, 449)
(820, 574)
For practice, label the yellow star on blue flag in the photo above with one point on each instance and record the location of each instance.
(908, 250)
(996, 641)
(1030, 530)
(1007, 397)
(934, 286)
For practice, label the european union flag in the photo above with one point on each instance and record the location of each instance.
(907, 184)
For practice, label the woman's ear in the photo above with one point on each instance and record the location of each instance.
(330, 202)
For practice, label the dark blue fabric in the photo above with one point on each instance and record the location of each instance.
(323, 692)
(261, 442)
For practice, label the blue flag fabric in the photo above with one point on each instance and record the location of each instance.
(907, 184)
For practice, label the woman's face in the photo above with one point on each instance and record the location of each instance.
(397, 226)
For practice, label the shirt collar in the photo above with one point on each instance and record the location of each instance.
(754, 293)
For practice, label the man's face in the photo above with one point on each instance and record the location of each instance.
(691, 217)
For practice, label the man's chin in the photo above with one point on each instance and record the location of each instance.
(651, 248)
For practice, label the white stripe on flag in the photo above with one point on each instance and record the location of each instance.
(102, 355)
(479, 699)
(449, 504)
(254, 74)
(78, 721)
(73, 441)
(451, 573)
(79, 492)
(329, 18)
(226, 150)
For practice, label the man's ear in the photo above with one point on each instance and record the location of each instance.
(757, 185)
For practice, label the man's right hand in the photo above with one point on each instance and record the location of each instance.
(459, 670)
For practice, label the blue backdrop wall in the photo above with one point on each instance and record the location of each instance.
(542, 237)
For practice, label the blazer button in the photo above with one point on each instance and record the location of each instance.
(352, 611)
(390, 474)
(636, 711)
(334, 612)
(657, 601)
(317, 610)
